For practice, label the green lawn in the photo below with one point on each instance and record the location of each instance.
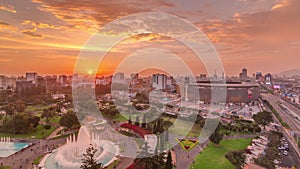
(181, 127)
(213, 157)
(112, 165)
(55, 119)
(38, 134)
(121, 118)
(36, 108)
(37, 160)
(5, 167)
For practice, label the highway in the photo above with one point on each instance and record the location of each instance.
(294, 124)
(277, 103)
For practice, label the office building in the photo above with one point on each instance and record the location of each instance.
(32, 77)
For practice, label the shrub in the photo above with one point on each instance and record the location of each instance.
(47, 127)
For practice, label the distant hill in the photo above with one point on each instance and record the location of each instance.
(290, 73)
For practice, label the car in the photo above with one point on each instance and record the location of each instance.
(285, 153)
(276, 161)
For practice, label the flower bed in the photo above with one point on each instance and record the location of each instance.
(187, 144)
(142, 132)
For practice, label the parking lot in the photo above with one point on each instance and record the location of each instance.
(287, 156)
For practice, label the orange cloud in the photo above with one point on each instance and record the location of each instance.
(90, 15)
(32, 34)
(7, 27)
(8, 8)
(281, 4)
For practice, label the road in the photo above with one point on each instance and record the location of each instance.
(290, 120)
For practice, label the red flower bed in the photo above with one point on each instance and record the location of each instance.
(142, 132)
(136, 165)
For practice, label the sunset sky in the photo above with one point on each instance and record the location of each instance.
(46, 36)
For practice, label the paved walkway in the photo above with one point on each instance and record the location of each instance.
(185, 158)
(240, 136)
(54, 133)
(24, 158)
(124, 163)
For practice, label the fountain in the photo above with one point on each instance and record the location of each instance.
(5, 139)
(69, 155)
(8, 148)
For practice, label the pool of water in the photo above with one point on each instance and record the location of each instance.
(106, 158)
(51, 164)
(9, 148)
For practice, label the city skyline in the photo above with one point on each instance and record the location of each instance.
(46, 36)
(152, 84)
(146, 73)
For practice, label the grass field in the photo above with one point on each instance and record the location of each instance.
(38, 160)
(181, 127)
(38, 134)
(213, 157)
(36, 108)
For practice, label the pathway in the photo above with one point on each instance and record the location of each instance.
(185, 158)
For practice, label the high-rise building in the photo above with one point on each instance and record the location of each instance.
(159, 81)
(63, 79)
(7, 82)
(203, 77)
(41, 81)
(268, 79)
(23, 85)
(243, 75)
(32, 77)
(70, 80)
(119, 76)
(134, 78)
(258, 75)
(50, 82)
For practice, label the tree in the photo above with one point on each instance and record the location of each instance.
(69, 120)
(47, 113)
(35, 121)
(237, 158)
(144, 122)
(263, 118)
(216, 137)
(147, 159)
(10, 109)
(129, 120)
(47, 127)
(167, 136)
(137, 121)
(89, 161)
(20, 106)
(169, 164)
